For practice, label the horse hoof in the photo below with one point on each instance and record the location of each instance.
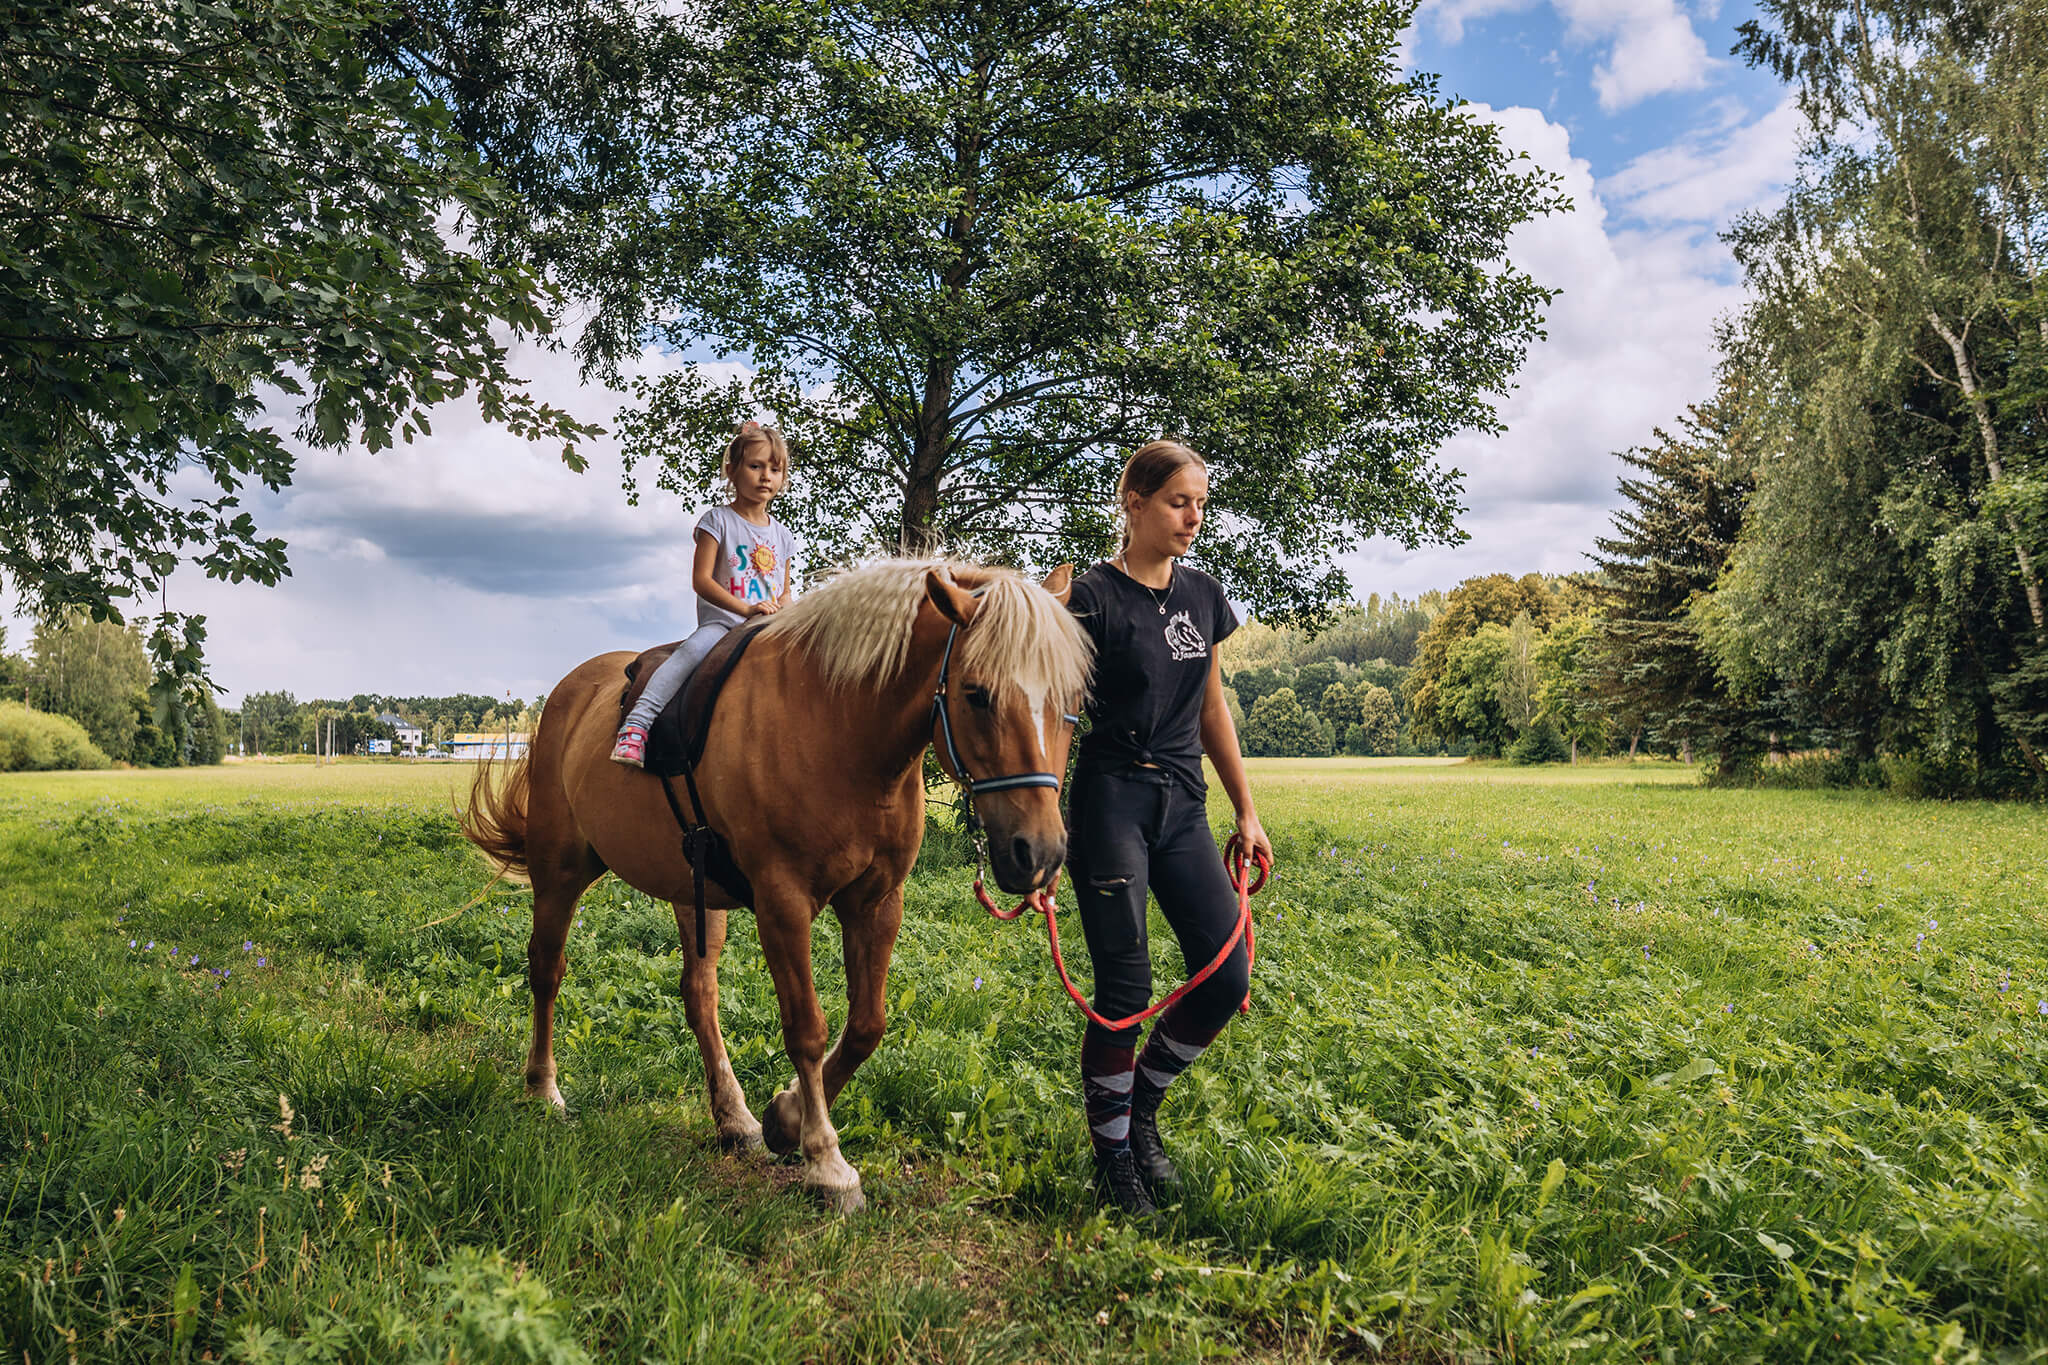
(780, 1135)
(747, 1142)
(847, 1200)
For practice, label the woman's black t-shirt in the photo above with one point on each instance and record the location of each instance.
(1152, 661)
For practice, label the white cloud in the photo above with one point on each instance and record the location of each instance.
(470, 560)
(1449, 17)
(1651, 47)
(1714, 173)
(1654, 48)
(1629, 345)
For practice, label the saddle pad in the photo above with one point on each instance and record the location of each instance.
(676, 739)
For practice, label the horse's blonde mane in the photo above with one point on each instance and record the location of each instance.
(856, 628)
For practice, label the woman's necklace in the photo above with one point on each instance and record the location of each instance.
(1150, 591)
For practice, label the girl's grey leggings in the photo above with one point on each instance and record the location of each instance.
(674, 672)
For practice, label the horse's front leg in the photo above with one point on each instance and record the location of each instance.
(798, 1117)
(868, 931)
(737, 1126)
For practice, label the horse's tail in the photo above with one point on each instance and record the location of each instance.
(495, 819)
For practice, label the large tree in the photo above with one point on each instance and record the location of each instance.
(95, 672)
(1898, 315)
(971, 253)
(203, 206)
(1491, 599)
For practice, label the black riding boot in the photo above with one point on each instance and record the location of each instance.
(1117, 1182)
(1155, 1167)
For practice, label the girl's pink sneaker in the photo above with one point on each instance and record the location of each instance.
(631, 748)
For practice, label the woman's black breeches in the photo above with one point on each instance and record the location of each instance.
(1135, 829)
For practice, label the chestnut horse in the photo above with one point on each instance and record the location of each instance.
(813, 771)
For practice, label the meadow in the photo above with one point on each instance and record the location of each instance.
(1589, 1064)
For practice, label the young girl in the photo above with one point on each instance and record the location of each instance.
(1139, 814)
(741, 570)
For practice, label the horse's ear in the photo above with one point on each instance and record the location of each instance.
(954, 602)
(1060, 582)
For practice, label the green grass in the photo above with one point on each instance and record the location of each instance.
(1547, 1064)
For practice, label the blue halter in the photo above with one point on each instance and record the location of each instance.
(944, 719)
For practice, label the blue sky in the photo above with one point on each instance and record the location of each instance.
(474, 562)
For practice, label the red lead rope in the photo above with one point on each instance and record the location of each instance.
(1239, 865)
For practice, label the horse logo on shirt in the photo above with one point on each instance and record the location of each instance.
(1184, 640)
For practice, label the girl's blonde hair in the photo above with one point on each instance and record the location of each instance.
(1147, 471)
(752, 438)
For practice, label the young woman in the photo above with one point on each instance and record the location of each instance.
(1139, 812)
(741, 570)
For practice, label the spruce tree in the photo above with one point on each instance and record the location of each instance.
(1685, 508)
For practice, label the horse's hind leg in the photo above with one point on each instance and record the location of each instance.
(737, 1126)
(558, 882)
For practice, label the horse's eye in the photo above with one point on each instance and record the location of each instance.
(978, 698)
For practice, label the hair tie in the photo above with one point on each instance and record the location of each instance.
(749, 425)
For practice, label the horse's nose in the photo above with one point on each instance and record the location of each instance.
(1038, 859)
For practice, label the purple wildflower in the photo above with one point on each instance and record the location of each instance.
(194, 962)
(1728, 1009)
(131, 943)
(149, 947)
(977, 983)
(263, 962)
(247, 945)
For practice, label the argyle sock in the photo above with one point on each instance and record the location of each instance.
(1106, 1090)
(1175, 1042)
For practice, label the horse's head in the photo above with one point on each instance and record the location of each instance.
(1015, 679)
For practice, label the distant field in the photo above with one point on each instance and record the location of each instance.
(273, 781)
(1544, 1064)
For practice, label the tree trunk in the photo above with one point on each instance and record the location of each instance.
(1685, 750)
(1575, 749)
(920, 529)
(1980, 408)
(1635, 738)
(918, 534)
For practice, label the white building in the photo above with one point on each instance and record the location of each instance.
(477, 745)
(409, 734)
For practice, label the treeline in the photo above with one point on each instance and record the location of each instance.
(1841, 551)
(1294, 695)
(97, 675)
(279, 723)
(1498, 666)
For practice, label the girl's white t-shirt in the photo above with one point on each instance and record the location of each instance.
(753, 562)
